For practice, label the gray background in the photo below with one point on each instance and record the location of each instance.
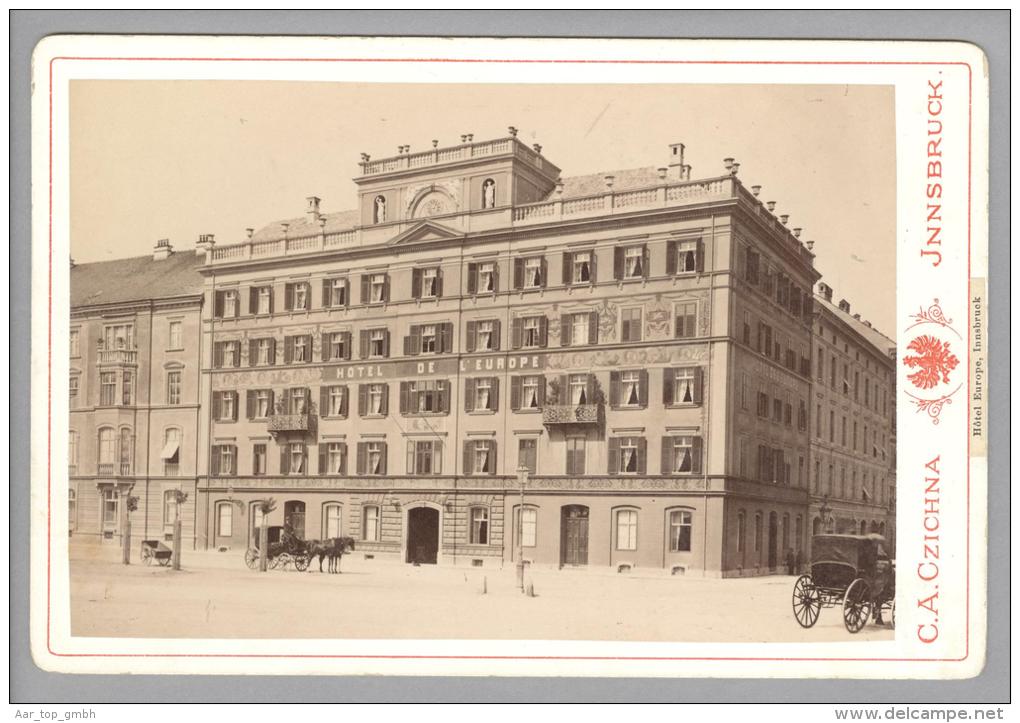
(987, 29)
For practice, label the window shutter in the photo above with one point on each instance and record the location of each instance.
(250, 404)
(565, 330)
(272, 409)
(564, 390)
(494, 395)
(642, 451)
(646, 261)
(308, 346)
(699, 256)
(383, 454)
(541, 391)
(343, 458)
(495, 277)
(679, 326)
(594, 267)
(324, 401)
(219, 305)
(363, 344)
(515, 393)
(415, 283)
(490, 465)
(469, 447)
(447, 336)
(698, 375)
(496, 334)
(327, 294)
(216, 405)
(445, 393)
(614, 388)
(439, 283)
(237, 403)
(618, 263)
(288, 297)
(364, 298)
(593, 327)
(284, 460)
(288, 349)
(543, 331)
(667, 386)
(215, 461)
(405, 400)
(253, 347)
(516, 332)
(518, 273)
(347, 345)
(253, 299)
(325, 349)
(671, 252)
(471, 325)
(410, 458)
(272, 351)
(362, 401)
(322, 458)
(407, 343)
(589, 389)
(643, 391)
(666, 467)
(544, 273)
(386, 290)
(385, 399)
(472, 278)
(567, 275)
(437, 457)
(386, 343)
(344, 401)
(412, 342)
(614, 455)
(469, 395)
(360, 462)
(696, 454)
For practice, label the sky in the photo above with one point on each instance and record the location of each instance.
(175, 159)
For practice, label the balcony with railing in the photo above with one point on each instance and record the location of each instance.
(113, 469)
(291, 423)
(564, 414)
(118, 356)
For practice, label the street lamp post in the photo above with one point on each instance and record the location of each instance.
(522, 479)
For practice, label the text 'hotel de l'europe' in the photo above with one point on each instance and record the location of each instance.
(628, 370)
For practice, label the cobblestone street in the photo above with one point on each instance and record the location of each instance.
(216, 596)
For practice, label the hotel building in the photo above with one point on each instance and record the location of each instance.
(638, 341)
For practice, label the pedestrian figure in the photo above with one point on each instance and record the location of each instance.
(799, 561)
(789, 561)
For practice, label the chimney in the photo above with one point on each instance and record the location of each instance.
(537, 148)
(676, 160)
(734, 168)
(249, 232)
(844, 306)
(756, 190)
(727, 163)
(825, 290)
(784, 218)
(205, 244)
(771, 205)
(512, 130)
(162, 250)
(687, 172)
(857, 316)
(810, 245)
(313, 208)
(796, 232)
(609, 182)
(867, 323)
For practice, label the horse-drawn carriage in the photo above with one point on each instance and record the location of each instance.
(155, 551)
(289, 551)
(851, 571)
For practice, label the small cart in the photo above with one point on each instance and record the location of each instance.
(156, 551)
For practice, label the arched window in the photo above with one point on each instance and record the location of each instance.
(864, 527)
(370, 523)
(107, 450)
(332, 514)
(224, 519)
(741, 531)
(488, 193)
(72, 510)
(171, 453)
(379, 209)
(626, 529)
(256, 522)
(680, 527)
(757, 531)
(786, 533)
(126, 450)
(479, 517)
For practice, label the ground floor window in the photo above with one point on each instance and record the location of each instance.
(331, 515)
(479, 526)
(626, 529)
(169, 507)
(111, 510)
(370, 523)
(680, 530)
(224, 519)
(528, 526)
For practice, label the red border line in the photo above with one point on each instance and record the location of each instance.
(49, 378)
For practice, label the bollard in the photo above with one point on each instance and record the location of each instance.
(531, 589)
(485, 585)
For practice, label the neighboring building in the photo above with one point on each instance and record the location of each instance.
(853, 439)
(638, 340)
(134, 393)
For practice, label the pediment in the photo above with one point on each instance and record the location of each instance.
(424, 232)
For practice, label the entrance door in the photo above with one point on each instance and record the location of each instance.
(574, 535)
(423, 536)
(294, 518)
(773, 541)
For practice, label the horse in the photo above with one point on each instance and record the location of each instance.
(332, 549)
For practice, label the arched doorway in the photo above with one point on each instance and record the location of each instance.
(422, 536)
(294, 517)
(773, 541)
(574, 535)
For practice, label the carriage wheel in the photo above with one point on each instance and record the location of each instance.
(301, 562)
(281, 561)
(856, 606)
(892, 614)
(251, 558)
(164, 561)
(807, 602)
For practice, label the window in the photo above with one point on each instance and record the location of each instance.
(488, 193)
(296, 296)
(680, 531)
(426, 283)
(261, 300)
(527, 392)
(227, 411)
(371, 458)
(480, 456)
(127, 381)
(298, 398)
(260, 403)
(224, 519)
(579, 267)
(486, 336)
(629, 455)
(683, 386)
(686, 257)
(334, 293)
(227, 354)
(424, 397)
(72, 452)
(176, 335)
(630, 262)
(375, 343)
(630, 324)
(626, 529)
(746, 335)
(338, 346)
(532, 332)
(111, 510)
(293, 459)
(757, 532)
(336, 401)
(681, 455)
(763, 404)
(424, 456)
(579, 326)
(832, 426)
(171, 452)
(629, 388)
(107, 449)
(530, 273)
(173, 387)
(575, 455)
(332, 513)
(479, 525)
(751, 269)
(741, 531)
(107, 389)
(335, 459)
(527, 454)
(119, 336)
(377, 284)
(224, 465)
(370, 523)
(481, 394)
(230, 303)
(428, 339)
(528, 527)
(372, 399)
(686, 315)
(258, 459)
(302, 351)
(486, 280)
(261, 352)
(578, 389)
(73, 342)
(73, 386)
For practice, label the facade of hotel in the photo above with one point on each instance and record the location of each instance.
(853, 440)
(134, 394)
(612, 370)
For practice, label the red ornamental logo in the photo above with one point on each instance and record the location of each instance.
(933, 361)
